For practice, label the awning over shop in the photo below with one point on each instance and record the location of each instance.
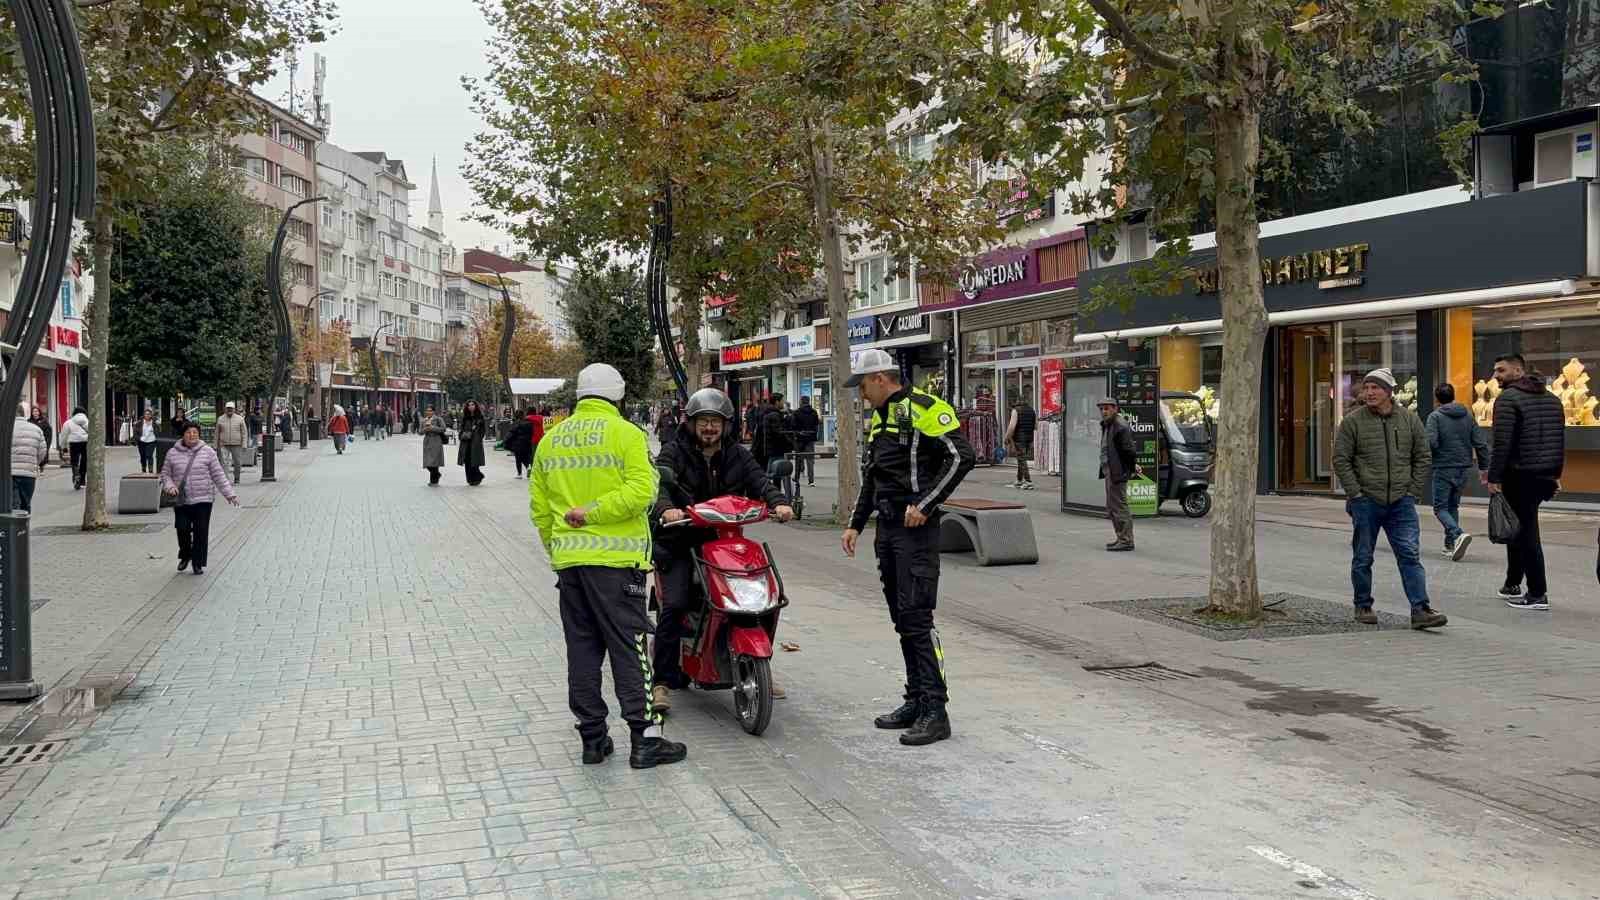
(536, 387)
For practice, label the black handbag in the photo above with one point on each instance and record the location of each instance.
(170, 500)
(1503, 523)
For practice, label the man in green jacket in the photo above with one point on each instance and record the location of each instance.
(590, 494)
(1381, 457)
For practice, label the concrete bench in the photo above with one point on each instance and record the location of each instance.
(139, 495)
(998, 533)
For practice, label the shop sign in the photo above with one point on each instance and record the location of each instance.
(863, 330)
(65, 337)
(743, 353)
(803, 342)
(1023, 205)
(899, 325)
(1138, 395)
(1049, 386)
(396, 384)
(10, 225)
(427, 384)
(1334, 268)
(977, 279)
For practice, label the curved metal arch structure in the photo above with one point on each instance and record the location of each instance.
(279, 306)
(656, 288)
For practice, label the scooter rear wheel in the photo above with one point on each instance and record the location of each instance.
(1197, 504)
(752, 694)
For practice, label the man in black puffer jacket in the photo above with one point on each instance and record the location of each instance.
(1530, 448)
(707, 461)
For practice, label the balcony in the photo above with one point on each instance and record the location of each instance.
(333, 280)
(331, 237)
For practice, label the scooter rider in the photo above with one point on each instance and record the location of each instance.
(916, 456)
(590, 496)
(706, 462)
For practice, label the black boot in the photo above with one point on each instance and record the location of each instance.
(651, 752)
(903, 717)
(596, 749)
(931, 726)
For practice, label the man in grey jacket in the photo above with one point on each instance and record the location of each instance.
(1381, 456)
(29, 452)
(1455, 440)
(232, 435)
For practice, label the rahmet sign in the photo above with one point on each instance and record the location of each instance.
(1334, 268)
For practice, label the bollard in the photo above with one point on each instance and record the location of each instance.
(269, 468)
(16, 612)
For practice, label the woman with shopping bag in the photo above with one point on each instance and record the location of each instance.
(192, 476)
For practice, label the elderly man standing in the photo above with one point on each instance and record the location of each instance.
(1381, 457)
(233, 432)
(591, 492)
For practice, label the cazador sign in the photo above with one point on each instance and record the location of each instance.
(896, 325)
(742, 353)
(975, 279)
(1334, 268)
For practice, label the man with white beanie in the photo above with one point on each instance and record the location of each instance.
(1381, 457)
(590, 492)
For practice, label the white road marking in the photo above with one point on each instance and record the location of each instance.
(1309, 872)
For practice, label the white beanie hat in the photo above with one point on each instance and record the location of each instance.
(1381, 377)
(601, 380)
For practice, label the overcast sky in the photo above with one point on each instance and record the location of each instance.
(394, 80)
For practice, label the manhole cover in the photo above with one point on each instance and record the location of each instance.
(1141, 672)
(109, 529)
(14, 755)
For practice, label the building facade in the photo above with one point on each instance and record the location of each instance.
(58, 376)
(542, 286)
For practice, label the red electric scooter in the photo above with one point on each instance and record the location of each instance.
(728, 641)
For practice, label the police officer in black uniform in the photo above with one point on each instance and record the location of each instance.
(915, 457)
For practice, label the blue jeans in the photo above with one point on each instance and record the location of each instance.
(1447, 484)
(1399, 521)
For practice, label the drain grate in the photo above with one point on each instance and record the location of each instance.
(14, 755)
(1142, 672)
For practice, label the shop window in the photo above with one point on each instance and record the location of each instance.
(1058, 335)
(1025, 334)
(978, 346)
(1560, 341)
(1369, 344)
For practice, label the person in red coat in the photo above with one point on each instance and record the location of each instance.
(339, 427)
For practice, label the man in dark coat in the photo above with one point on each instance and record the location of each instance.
(707, 461)
(1530, 450)
(807, 424)
(1117, 465)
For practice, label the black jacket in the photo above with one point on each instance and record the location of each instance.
(888, 482)
(1121, 459)
(696, 479)
(771, 439)
(806, 424)
(520, 439)
(1530, 432)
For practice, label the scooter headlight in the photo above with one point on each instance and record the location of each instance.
(751, 595)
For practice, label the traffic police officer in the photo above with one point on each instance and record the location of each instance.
(915, 457)
(590, 495)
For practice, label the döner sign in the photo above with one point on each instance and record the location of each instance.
(1335, 268)
(742, 353)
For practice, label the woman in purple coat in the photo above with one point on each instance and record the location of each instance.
(193, 475)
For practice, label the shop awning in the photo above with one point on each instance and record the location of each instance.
(1561, 288)
(536, 387)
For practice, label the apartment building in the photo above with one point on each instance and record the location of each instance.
(280, 165)
(541, 292)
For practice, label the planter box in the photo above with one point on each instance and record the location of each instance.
(139, 495)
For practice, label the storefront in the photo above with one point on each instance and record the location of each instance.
(1434, 295)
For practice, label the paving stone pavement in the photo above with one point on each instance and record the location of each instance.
(367, 697)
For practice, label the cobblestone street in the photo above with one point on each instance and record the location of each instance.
(365, 696)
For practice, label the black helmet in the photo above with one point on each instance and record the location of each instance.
(709, 402)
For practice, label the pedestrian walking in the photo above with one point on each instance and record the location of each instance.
(144, 437)
(42, 421)
(339, 427)
(74, 435)
(179, 423)
(232, 431)
(469, 450)
(1455, 441)
(666, 423)
(1118, 465)
(807, 425)
(592, 492)
(1530, 449)
(252, 421)
(520, 441)
(193, 475)
(1381, 457)
(433, 437)
(1019, 437)
(29, 452)
(910, 432)
(772, 443)
(286, 426)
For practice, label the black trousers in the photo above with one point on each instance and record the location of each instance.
(147, 456)
(806, 464)
(681, 598)
(433, 474)
(1525, 555)
(474, 474)
(603, 612)
(908, 566)
(78, 452)
(193, 522)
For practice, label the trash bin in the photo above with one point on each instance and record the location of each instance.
(314, 427)
(163, 444)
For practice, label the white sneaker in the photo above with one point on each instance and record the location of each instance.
(1460, 548)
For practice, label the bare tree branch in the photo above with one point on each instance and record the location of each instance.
(1125, 33)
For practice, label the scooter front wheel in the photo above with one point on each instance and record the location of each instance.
(752, 694)
(1197, 504)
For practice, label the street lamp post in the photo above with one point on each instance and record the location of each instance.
(280, 315)
(312, 376)
(64, 187)
(372, 360)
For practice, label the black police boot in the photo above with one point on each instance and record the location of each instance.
(596, 749)
(651, 752)
(931, 726)
(904, 717)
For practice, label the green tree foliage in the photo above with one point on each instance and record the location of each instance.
(610, 319)
(188, 306)
(1156, 104)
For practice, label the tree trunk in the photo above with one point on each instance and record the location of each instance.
(1234, 588)
(94, 492)
(848, 429)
